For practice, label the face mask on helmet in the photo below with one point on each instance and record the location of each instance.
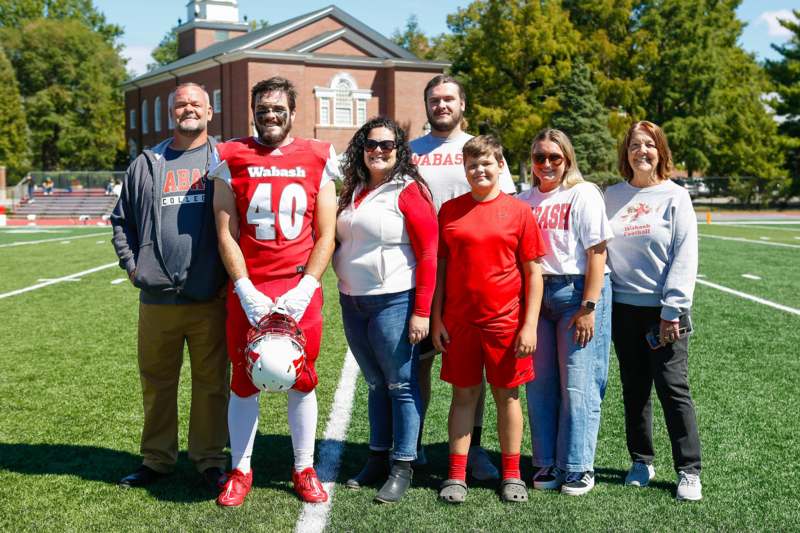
(275, 352)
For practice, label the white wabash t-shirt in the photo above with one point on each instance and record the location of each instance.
(441, 164)
(572, 221)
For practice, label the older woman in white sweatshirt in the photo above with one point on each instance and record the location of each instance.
(653, 260)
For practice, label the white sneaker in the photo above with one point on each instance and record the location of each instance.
(640, 474)
(548, 478)
(689, 487)
(480, 466)
(578, 483)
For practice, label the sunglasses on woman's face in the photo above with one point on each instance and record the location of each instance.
(555, 159)
(386, 146)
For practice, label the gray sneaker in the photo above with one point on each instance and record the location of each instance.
(480, 466)
(689, 487)
(578, 483)
(640, 474)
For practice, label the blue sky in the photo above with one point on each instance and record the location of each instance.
(146, 21)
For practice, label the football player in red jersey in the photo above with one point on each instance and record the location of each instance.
(276, 222)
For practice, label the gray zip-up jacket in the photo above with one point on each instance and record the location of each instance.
(137, 235)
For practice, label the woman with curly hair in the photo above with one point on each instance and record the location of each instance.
(387, 237)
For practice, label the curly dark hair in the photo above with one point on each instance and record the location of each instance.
(355, 171)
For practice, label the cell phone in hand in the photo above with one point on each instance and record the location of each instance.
(653, 336)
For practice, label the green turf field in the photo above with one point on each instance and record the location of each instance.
(72, 413)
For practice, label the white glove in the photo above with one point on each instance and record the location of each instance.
(296, 300)
(255, 303)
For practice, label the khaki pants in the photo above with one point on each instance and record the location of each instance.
(162, 332)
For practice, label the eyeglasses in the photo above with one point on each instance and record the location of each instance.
(555, 159)
(386, 146)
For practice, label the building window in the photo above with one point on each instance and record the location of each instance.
(132, 118)
(343, 114)
(217, 98)
(145, 127)
(157, 114)
(361, 112)
(221, 35)
(132, 149)
(170, 110)
(324, 111)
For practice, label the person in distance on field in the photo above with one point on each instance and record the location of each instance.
(574, 336)
(485, 309)
(166, 241)
(653, 261)
(386, 262)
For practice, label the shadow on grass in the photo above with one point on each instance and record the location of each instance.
(272, 460)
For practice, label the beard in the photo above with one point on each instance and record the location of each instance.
(274, 138)
(446, 123)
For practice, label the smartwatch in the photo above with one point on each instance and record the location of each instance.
(588, 305)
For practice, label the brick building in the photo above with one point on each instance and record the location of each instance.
(345, 73)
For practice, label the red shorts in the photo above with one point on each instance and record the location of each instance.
(237, 326)
(473, 348)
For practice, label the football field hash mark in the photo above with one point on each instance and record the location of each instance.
(314, 516)
(118, 281)
(751, 276)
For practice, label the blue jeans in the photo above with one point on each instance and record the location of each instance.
(564, 399)
(376, 328)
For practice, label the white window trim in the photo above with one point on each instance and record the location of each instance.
(324, 111)
(217, 100)
(329, 93)
(170, 105)
(145, 125)
(157, 114)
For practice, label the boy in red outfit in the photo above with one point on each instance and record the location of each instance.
(485, 310)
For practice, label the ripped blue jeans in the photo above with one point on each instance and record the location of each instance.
(376, 327)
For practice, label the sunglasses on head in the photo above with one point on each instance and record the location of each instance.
(555, 159)
(386, 146)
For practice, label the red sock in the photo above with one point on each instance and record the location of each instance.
(458, 466)
(510, 466)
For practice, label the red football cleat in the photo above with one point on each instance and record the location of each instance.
(308, 486)
(236, 488)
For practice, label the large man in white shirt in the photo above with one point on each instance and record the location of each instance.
(439, 159)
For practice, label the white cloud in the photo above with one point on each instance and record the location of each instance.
(138, 58)
(774, 29)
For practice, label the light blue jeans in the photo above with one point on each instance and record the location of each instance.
(376, 328)
(565, 396)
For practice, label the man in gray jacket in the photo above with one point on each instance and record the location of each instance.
(165, 237)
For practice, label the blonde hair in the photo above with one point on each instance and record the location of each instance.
(572, 174)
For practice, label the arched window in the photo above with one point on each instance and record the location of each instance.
(157, 114)
(343, 114)
(145, 127)
(132, 152)
(170, 106)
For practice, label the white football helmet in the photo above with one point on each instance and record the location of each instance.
(275, 354)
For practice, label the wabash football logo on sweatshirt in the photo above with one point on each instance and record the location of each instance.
(184, 186)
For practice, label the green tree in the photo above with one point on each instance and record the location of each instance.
(14, 140)
(167, 50)
(511, 56)
(17, 13)
(412, 38)
(69, 77)
(613, 49)
(585, 120)
(785, 74)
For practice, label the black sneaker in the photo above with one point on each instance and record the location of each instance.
(548, 478)
(578, 483)
(214, 477)
(143, 476)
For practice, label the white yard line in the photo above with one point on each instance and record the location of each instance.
(750, 297)
(70, 277)
(751, 223)
(739, 239)
(314, 516)
(56, 239)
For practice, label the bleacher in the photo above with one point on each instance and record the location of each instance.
(79, 204)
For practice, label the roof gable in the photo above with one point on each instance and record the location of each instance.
(314, 31)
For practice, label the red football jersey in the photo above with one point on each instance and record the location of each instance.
(276, 194)
(485, 244)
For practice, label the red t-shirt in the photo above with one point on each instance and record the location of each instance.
(485, 244)
(276, 193)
